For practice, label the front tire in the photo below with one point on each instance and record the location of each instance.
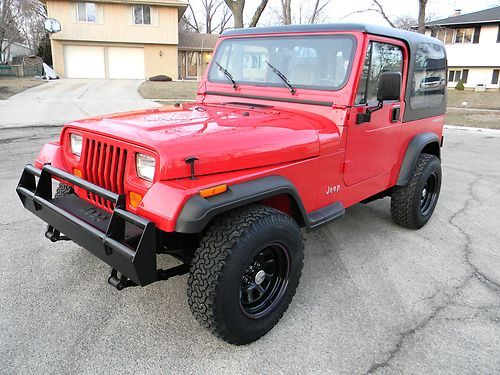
(412, 205)
(245, 273)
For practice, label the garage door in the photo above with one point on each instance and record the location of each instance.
(125, 63)
(84, 62)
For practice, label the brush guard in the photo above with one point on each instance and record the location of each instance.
(123, 240)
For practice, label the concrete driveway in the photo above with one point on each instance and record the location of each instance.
(373, 297)
(60, 101)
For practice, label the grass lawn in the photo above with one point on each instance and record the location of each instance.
(474, 114)
(11, 86)
(475, 100)
(169, 91)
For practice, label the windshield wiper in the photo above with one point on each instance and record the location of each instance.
(228, 75)
(282, 76)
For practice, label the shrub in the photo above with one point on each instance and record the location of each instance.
(460, 86)
(160, 78)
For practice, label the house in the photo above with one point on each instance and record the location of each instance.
(472, 43)
(11, 50)
(195, 52)
(122, 39)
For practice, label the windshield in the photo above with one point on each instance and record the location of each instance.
(310, 62)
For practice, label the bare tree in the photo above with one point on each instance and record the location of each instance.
(286, 8)
(210, 16)
(422, 4)
(376, 7)
(405, 22)
(31, 24)
(189, 22)
(226, 17)
(318, 8)
(303, 14)
(238, 6)
(20, 21)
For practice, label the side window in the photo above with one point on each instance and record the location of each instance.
(429, 77)
(380, 57)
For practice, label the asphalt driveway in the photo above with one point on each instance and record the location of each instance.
(60, 101)
(374, 297)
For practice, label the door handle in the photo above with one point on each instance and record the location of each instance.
(395, 113)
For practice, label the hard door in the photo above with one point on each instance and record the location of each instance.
(84, 61)
(372, 146)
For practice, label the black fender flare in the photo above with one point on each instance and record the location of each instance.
(415, 148)
(198, 211)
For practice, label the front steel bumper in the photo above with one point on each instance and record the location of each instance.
(123, 240)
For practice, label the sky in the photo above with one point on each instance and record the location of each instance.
(337, 10)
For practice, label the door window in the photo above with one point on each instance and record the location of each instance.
(380, 57)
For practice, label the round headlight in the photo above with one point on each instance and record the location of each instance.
(76, 143)
(145, 166)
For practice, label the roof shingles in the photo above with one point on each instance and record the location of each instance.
(491, 15)
(197, 42)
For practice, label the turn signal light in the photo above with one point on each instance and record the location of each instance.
(77, 173)
(135, 199)
(219, 189)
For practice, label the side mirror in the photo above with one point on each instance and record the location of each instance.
(389, 86)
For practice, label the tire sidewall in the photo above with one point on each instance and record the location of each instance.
(228, 311)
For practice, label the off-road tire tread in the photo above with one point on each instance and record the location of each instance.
(402, 197)
(210, 258)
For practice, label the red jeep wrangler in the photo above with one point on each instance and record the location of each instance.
(291, 125)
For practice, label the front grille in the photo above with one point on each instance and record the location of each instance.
(104, 165)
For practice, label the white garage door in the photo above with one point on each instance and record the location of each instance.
(84, 62)
(125, 63)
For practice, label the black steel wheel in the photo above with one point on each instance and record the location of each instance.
(245, 273)
(265, 280)
(412, 205)
(429, 193)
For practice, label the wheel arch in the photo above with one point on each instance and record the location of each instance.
(421, 143)
(272, 191)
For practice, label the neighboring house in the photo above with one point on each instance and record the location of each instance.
(119, 39)
(195, 52)
(472, 43)
(12, 50)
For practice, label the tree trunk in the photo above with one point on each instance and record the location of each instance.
(286, 6)
(421, 16)
(236, 7)
(258, 13)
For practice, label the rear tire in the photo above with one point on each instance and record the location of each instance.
(412, 205)
(245, 273)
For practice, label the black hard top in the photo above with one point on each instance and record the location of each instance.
(410, 37)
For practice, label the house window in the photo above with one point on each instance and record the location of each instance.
(85, 12)
(457, 75)
(445, 35)
(494, 78)
(464, 35)
(142, 14)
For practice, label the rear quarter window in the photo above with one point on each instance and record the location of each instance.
(429, 77)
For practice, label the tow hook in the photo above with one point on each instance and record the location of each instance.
(121, 282)
(54, 235)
